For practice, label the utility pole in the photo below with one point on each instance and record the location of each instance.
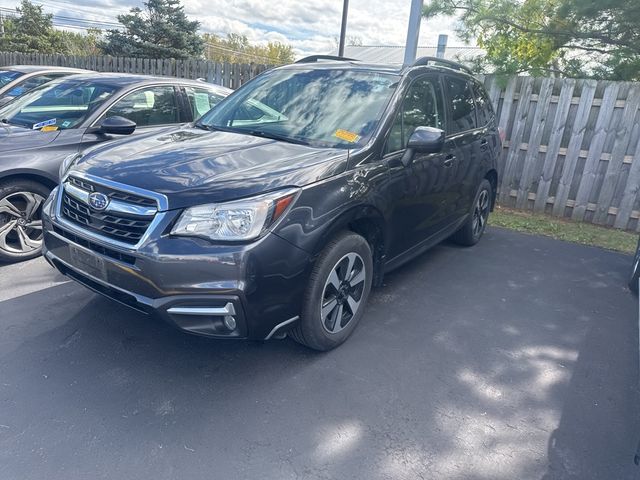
(343, 28)
(413, 32)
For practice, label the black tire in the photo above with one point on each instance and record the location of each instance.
(325, 332)
(21, 219)
(471, 232)
(635, 271)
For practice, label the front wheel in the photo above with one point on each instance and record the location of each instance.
(475, 225)
(635, 271)
(21, 220)
(338, 290)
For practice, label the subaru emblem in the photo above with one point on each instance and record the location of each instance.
(98, 201)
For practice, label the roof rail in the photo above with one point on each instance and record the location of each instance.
(315, 58)
(443, 62)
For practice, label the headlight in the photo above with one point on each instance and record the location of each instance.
(67, 163)
(239, 220)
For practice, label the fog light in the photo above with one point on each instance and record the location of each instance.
(230, 322)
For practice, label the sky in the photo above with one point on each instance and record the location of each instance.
(310, 27)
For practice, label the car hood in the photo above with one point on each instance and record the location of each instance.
(20, 138)
(192, 166)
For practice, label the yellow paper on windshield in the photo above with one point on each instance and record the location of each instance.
(347, 136)
(49, 128)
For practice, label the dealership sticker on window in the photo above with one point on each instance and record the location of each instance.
(49, 128)
(46, 123)
(347, 136)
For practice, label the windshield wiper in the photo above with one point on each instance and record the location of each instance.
(272, 136)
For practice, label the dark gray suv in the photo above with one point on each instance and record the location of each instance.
(278, 210)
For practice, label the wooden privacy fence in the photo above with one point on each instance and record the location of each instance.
(230, 75)
(572, 149)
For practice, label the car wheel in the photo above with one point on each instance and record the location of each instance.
(21, 220)
(338, 290)
(635, 271)
(473, 228)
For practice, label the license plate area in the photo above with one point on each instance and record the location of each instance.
(88, 262)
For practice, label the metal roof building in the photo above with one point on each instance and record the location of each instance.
(395, 54)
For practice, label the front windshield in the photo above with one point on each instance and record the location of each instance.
(8, 76)
(57, 105)
(330, 108)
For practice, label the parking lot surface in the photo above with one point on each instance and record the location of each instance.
(515, 359)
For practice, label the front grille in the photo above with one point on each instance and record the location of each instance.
(125, 227)
(112, 193)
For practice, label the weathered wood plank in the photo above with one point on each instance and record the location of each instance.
(615, 165)
(555, 141)
(603, 127)
(574, 147)
(522, 111)
(535, 139)
(631, 190)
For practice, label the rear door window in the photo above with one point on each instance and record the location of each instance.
(201, 100)
(463, 115)
(484, 108)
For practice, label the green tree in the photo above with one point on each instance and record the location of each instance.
(598, 38)
(237, 49)
(161, 30)
(30, 31)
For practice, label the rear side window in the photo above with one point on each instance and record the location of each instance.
(484, 109)
(463, 115)
(422, 107)
(201, 100)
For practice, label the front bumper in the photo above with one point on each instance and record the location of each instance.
(188, 282)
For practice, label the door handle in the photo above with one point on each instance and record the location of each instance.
(484, 144)
(448, 160)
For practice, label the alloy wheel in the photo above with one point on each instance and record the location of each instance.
(481, 212)
(21, 223)
(343, 292)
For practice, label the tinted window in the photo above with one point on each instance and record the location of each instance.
(422, 107)
(33, 82)
(463, 115)
(59, 104)
(484, 108)
(148, 106)
(201, 100)
(7, 76)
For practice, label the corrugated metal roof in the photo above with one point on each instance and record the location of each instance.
(395, 54)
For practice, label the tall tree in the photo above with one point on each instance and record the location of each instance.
(30, 31)
(161, 30)
(236, 48)
(599, 38)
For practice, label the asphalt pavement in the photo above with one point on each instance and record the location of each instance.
(514, 359)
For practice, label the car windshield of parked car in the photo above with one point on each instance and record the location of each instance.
(8, 76)
(57, 105)
(326, 108)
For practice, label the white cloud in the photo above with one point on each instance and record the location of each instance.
(310, 27)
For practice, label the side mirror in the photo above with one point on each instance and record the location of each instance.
(426, 140)
(423, 140)
(117, 126)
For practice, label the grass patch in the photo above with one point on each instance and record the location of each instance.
(562, 229)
